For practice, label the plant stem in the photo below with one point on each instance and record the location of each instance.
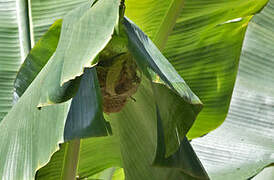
(168, 23)
(71, 160)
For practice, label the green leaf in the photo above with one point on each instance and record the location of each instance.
(96, 155)
(85, 43)
(118, 174)
(266, 174)
(37, 58)
(184, 105)
(184, 158)
(71, 47)
(244, 144)
(138, 134)
(71, 159)
(85, 118)
(184, 121)
(177, 116)
(56, 92)
(14, 46)
(42, 14)
(32, 135)
(155, 18)
(110, 174)
(168, 22)
(103, 152)
(80, 123)
(53, 93)
(204, 48)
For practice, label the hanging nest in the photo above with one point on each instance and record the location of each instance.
(119, 80)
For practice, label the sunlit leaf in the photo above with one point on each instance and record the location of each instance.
(14, 46)
(96, 155)
(37, 58)
(244, 144)
(42, 14)
(204, 48)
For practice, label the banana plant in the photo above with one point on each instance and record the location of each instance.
(73, 74)
(96, 69)
(245, 140)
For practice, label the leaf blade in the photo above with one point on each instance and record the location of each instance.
(196, 46)
(149, 58)
(14, 46)
(138, 138)
(248, 129)
(102, 18)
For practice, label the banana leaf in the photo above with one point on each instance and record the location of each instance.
(186, 166)
(96, 155)
(244, 144)
(57, 94)
(141, 133)
(136, 140)
(14, 46)
(113, 173)
(204, 47)
(30, 134)
(217, 5)
(42, 14)
(266, 174)
(182, 114)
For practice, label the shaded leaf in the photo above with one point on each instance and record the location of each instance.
(85, 118)
(184, 158)
(178, 112)
(182, 123)
(138, 138)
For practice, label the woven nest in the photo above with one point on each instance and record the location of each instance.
(125, 85)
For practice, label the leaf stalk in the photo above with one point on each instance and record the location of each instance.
(71, 160)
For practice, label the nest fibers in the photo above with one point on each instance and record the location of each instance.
(119, 80)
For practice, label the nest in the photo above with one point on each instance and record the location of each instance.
(119, 80)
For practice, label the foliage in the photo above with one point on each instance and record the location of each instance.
(60, 99)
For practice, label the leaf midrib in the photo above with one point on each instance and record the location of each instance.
(168, 23)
